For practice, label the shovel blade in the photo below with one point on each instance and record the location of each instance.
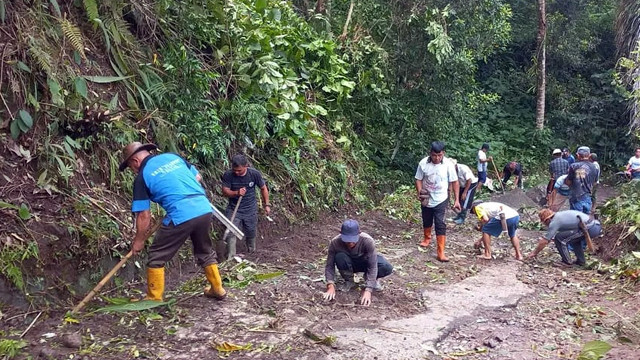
(227, 223)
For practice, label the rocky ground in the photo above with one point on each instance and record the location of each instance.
(465, 309)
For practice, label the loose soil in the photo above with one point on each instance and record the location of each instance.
(465, 309)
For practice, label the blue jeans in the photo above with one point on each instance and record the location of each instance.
(582, 205)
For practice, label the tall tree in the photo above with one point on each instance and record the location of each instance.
(542, 63)
(627, 42)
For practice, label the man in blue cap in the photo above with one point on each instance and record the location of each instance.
(353, 251)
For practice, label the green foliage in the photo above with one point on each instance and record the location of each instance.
(594, 350)
(402, 204)
(625, 208)
(12, 257)
(11, 348)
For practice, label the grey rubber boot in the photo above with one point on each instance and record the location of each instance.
(349, 283)
(230, 245)
(251, 244)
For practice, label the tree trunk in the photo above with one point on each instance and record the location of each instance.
(542, 60)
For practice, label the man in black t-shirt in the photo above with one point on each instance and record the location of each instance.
(240, 183)
(515, 169)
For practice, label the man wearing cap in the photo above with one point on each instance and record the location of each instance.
(490, 215)
(581, 178)
(515, 169)
(353, 251)
(557, 167)
(483, 161)
(239, 184)
(566, 154)
(468, 184)
(564, 230)
(433, 177)
(169, 180)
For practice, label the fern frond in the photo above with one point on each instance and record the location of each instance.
(74, 35)
(120, 31)
(41, 57)
(91, 7)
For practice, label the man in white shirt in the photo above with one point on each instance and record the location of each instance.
(489, 214)
(483, 161)
(468, 184)
(433, 178)
(633, 167)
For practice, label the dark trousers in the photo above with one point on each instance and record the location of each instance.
(170, 238)
(574, 238)
(468, 202)
(435, 214)
(344, 262)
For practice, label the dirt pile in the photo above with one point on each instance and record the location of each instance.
(517, 199)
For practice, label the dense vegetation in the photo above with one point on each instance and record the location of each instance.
(331, 104)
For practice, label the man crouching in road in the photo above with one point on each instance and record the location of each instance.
(354, 251)
(174, 184)
(564, 230)
(490, 215)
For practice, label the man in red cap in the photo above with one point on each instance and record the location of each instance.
(172, 182)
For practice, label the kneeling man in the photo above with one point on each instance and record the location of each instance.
(354, 251)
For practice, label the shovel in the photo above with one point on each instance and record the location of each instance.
(115, 269)
(233, 216)
(498, 175)
(587, 236)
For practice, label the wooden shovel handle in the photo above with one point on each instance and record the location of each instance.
(587, 236)
(110, 274)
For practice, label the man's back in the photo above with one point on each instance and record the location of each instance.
(558, 167)
(583, 175)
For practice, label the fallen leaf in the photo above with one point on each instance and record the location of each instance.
(229, 347)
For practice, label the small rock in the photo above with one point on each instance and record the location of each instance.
(47, 353)
(491, 343)
(72, 340)
(502, 336)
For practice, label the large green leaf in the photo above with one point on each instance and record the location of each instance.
(15, 129)
(105, 79)
(26, 118)
(267, 276)
(81, 87)
(24, 212)
(594, 350)
(261, 5)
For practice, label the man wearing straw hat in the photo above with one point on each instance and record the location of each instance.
(564, 230)
(173, 183)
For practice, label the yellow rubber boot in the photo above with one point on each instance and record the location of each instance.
(155, 284)
(426, 241)
(216, 290)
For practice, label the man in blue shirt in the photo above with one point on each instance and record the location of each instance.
(566, 154)
(581, 177)
(169, 180)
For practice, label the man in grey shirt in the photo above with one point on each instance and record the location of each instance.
(564, 230)
(354, 251)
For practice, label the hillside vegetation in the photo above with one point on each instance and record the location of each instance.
(333, 105)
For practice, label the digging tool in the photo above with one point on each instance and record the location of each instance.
(233, 216)
(587, 236)
(497, 175)
(226, 222)
(115, 269)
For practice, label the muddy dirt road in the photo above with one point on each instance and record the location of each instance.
(465, 309)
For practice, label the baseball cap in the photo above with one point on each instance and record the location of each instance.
(350, 231)
(583, 150)
(556, 151)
